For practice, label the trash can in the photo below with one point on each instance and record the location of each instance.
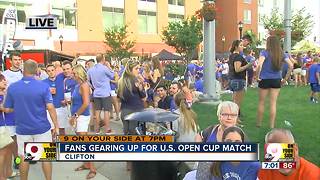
(152, 170)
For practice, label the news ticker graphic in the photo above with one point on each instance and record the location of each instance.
(278, 165)
(157, 152)
(115, 138)
(146, 151)
(278, 156)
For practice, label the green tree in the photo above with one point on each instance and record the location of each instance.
(301, 24)
(184, 36)
(116, 38)
(255, 41)
(273, 22)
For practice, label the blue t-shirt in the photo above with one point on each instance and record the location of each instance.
(69, 85)
(267, 71)
(199, 68)
(114, 86)
(122, 69)
(191, 69)
(244, 170)
(173, 105)
(218, 73)
(313, 70)
(28, 98)
(199, 85)
(250, 59)
(77, 102)
(58, 83)
(6, 119)
(306, 60)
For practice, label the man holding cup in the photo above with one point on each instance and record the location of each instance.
(56, 85)
(68, 83)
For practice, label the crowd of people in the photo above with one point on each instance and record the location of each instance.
(41, 103)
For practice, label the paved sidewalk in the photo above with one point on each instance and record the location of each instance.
(65, 170)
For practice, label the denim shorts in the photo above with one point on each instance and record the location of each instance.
(315, 87)
(237, 84)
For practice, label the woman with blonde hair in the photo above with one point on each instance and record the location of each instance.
(186, 125)
(227, 114)
(81, 112)
(131, 93)
(270, 78)
(157, 69)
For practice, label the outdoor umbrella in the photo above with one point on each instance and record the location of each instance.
(152, 115)
(166, 55)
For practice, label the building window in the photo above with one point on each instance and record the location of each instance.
(176, 2)
(175, 17)
(70, 17)
(275, 3)
(261, 3)
(247, 1)
(260, 19)
(147, 22)
(112, 17)
(247, 17)
(149, 0)
(66, 17)
(20, 11)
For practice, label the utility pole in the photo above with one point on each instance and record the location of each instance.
(287, 25)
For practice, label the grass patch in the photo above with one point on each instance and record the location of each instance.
(293, 106)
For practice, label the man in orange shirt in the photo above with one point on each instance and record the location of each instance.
(304, 169)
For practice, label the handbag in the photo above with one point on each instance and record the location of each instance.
(5, 138)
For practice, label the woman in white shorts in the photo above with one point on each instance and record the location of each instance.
(81, 112)
(7, 121)
(297, 71)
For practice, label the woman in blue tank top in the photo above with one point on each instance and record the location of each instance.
(80, 119)
(270, 77)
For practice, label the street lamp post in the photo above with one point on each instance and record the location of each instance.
(61, 41)
(210, 87)
(240, 26)
(223, 39)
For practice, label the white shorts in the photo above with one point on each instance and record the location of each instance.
(303, 72)
(21, 139)
(82, 123)
(12, 130)
(297, 71)
(113, 93)
(62, 116)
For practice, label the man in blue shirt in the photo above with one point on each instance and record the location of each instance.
(56, 84)
(69, 82)
(175, 87)
(198, 85)
(99, 77)
(29, 99)
(314, 79)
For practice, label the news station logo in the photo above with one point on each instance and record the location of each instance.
(278, 156)
(40, 151)
(278, 152)
(42, 22)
